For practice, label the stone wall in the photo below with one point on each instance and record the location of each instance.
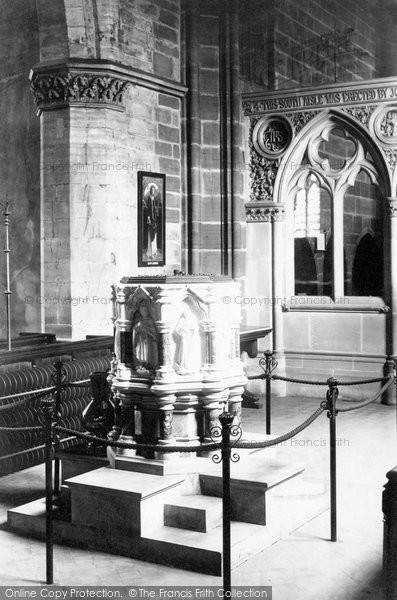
(143, 34)
(92, 153)
(19, 164)
(312, 42)
(215, 158)
(181, 116)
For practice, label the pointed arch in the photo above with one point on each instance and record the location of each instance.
(292, 160)
(329, 136)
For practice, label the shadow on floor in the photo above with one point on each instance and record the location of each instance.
(373, 589)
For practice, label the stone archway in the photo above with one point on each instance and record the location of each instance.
(288, 134)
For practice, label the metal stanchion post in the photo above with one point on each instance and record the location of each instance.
(332, 395)
(47, 407)
(268, 364)
(226, 420)
(395, 385)
(58, 380)
(268, 356)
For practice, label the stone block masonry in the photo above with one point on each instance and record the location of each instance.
(90, 229)
(144, 35)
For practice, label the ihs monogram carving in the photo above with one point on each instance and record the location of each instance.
(52, 89)
(361, 113)
(275, 137)
(388, 125)
(300, 119)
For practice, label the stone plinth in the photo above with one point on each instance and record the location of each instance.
(177, 364)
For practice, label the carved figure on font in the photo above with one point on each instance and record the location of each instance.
(144, 339)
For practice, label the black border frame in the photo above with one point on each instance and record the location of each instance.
(160, 180)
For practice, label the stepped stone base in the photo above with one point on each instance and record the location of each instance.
(195, 512)
(176, 519)
(168, 546)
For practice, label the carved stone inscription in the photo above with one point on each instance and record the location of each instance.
(320, 99)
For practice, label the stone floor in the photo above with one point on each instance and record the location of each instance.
(304, 566)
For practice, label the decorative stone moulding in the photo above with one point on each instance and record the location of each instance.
(177, 348)
(278, 119)
(89, 83)
(264, 212)
(56, 90)
(358, 94)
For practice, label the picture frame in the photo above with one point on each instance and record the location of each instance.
(151, 219)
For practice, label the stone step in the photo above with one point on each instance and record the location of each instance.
(130, 502)
(123, 513)
(80, 459)
(250, 484)
(194, 512)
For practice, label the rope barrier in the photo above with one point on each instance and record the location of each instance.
(325, 383)
(363, 381)
(290, 380)
(203, 446)
(36, 428)
(22, 402)
(365, 402)
(134, 445)
(261, 376)
(286, 436)
(42, 392)
(82, 383)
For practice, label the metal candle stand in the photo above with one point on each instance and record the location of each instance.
(7, 291)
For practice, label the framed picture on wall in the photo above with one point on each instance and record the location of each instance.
(151, 219)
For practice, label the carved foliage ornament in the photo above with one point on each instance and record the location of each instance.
(262, 170)
(300, 119)
(263, 173)
(361, 113)
(391, 157)
(52, 90)
(264, 214)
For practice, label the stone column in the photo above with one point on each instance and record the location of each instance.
(234, 403)
(210, 331)
(258, 264)
(278, 241)
(391, 285)
(164, 327)
(278, 275)
(188, 421)
(165, 406)
(213, 404)
(83, 138)
(127, 417)
(123, 336)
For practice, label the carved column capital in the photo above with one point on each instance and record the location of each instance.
(64, 88)
(264, 212)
